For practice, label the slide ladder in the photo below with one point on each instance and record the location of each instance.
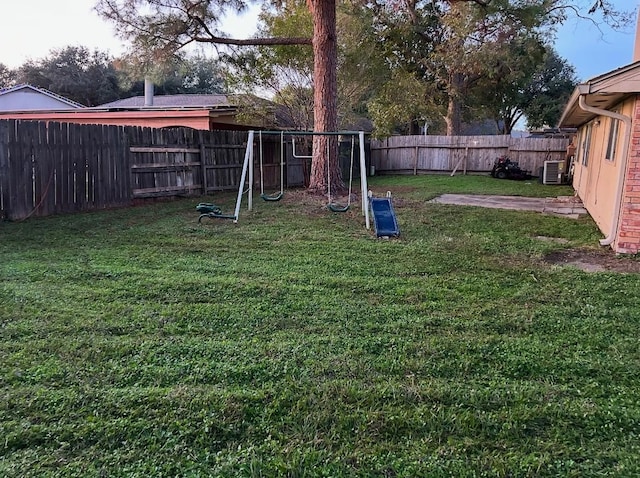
(384, 217)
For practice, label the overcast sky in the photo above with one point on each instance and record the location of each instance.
(30, 29)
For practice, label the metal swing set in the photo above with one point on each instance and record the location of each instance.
(212, 211)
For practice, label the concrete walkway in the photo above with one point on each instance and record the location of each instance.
(565, 206)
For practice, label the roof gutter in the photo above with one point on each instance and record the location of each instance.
(626, 120)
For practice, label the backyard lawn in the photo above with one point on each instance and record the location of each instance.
(137, 342)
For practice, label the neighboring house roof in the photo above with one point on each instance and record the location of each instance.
(604, 92)
(171, 101)
(26, 97)
(194, 111)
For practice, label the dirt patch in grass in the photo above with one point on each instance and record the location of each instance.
(594, 261)
(316, 204)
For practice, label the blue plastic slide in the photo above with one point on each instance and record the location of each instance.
(384, 217)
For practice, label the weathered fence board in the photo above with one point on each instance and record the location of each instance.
(5, 183)
(421, 154)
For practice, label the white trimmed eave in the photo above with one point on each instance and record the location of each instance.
(603, 92)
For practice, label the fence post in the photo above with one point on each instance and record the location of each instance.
(203, 167)
(5, 184)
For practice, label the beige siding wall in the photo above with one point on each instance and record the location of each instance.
(596, 181)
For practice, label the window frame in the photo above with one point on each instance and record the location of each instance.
(585, 144)
(612, 140)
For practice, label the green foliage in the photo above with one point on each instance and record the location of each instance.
(502, 95)
(480, 60)
(465, 51)
(7, 76)
(93, 78)
(548, 91)
(179, 75)
(398, 103)
(282, 72)
(75, 72)
(139, 343)
(285, 73)
(531, 81)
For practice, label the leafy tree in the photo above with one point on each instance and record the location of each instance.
(399, 104)
(535, 83)
(454, 46)
(74, 72)
(548, 91)
(460, 46)
(179, 75)
(282, 72)
(202, 76)
(7, 76)
(502, 95)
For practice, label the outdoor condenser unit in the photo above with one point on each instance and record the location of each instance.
(552, 172)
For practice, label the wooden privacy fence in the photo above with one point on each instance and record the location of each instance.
(184, 161)
(474, 154)
(49, 168)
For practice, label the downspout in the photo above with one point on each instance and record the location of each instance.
(584, 90)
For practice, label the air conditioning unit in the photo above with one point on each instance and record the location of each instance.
(552, 172)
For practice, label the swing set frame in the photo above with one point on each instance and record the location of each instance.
(247, 174)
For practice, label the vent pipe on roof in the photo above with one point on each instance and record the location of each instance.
(148, 92)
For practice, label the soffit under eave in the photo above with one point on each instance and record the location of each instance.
(574, 116)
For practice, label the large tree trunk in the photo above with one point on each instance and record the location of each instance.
(325, 60)
(454, 107)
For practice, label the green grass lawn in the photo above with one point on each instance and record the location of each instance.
(137, 342)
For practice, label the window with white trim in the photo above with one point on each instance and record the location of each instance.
(612, 142)
(586, 143)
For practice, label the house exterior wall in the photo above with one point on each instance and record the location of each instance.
(595, 177)
(198, 119)
(28, 99)
(628, 238)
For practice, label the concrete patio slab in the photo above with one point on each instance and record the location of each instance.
(565, 206)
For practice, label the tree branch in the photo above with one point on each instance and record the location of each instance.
(254, 41)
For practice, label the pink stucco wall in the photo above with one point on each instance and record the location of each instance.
(197, 119)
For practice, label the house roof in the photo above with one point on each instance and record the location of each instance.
(604, 92)
(42, 91)
(171, 101)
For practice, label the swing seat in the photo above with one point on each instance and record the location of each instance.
(337, 208)
(212, 211)
(272, 197)
(208, 208)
